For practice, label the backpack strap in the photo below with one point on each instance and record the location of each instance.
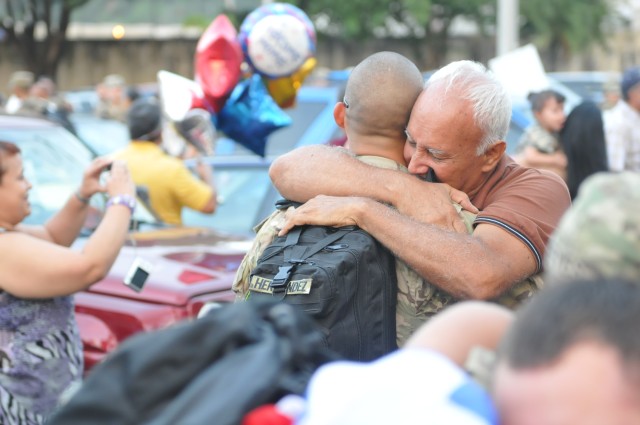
(295, 254)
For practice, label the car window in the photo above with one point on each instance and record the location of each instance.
(102, 136)
(54, 162)
(303, 117)
(245, 196)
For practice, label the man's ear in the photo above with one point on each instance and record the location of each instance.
(339, 112)
(493, 155)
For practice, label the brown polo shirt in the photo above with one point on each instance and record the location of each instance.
(526, 202)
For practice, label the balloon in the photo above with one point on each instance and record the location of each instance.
(277, 39)
(251, 115)
(198, 130)
(284, 90)
(178, 94)
(217, 61)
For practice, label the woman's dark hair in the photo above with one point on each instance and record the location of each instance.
(538, 99)
(7, 149)
(583, 142)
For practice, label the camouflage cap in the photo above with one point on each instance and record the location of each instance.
(114, 80)
(599, 236)
(22, 79)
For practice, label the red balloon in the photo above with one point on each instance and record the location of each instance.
(217, 61)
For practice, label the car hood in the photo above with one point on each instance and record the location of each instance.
(186, 262)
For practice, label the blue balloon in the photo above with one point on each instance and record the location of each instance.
(251, 115)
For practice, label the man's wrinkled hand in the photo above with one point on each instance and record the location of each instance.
(432, 203)
(335, 211)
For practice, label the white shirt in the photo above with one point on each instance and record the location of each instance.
(622, 132)
(13, 104)
(406, 387)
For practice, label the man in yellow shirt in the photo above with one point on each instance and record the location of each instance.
(170, 184)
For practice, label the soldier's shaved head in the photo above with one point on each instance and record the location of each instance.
(380, 94)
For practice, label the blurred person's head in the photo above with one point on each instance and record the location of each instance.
(133, 94)
(630, 87)
(43, 88)
(378, 98)
(14, 187)
(599, 236)
(572, 356)
(582, 140)
(611, 92)
(20, 83)
(113, 88)
(144, 120)
(548, 109)
(458, 126)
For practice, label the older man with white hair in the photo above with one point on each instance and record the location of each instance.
(456, 141)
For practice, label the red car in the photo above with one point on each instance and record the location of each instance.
(190, 265)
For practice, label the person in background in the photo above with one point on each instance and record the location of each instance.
(599, 236)
(539, 146)
(583, 143)
(169, 183)
(611, 93)
(622, 125)
(40, 348)
(19, 86)
(45, 101)
(572, 356)
(113, 101)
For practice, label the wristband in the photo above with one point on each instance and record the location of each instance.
(81, 198)
(126, 200)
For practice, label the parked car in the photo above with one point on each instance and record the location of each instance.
(191, 266)
(245, 192)
(590, 85)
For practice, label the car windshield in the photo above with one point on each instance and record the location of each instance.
(54, 162)
(101, 135)
(245, 196)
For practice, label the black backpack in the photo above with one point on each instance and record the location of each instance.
(212, 370)
(343, 277)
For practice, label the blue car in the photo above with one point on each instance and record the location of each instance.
(245, 192)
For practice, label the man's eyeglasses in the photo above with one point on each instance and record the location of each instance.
(344, 101)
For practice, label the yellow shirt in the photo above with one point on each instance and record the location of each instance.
(170, 184)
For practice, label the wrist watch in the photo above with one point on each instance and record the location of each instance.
(126, 200)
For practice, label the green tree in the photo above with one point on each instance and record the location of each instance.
(563, 27)
(37, 29)
(426, 23)
(431, 21)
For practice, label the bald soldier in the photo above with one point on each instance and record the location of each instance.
(379, 95)
(456, 142)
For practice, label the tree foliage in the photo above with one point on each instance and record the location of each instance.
(555, 26)
(563, 27)
(424, 22)
(37, 28)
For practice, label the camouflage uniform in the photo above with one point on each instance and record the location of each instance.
(418, 299)
(599, 236)
(540, 139)
(266, 232)
(268, 229)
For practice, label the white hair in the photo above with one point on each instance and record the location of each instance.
(490, 100)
